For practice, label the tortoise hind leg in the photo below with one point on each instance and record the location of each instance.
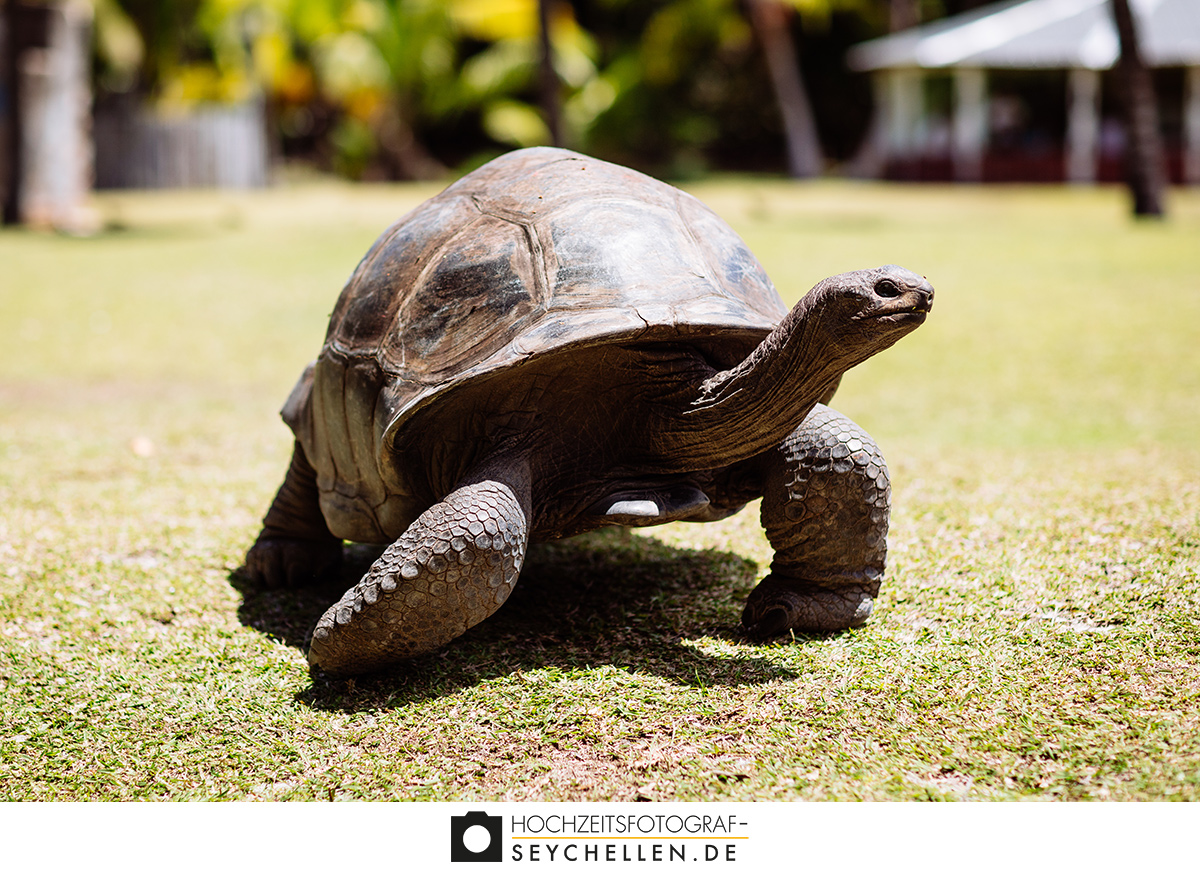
(825, 510)
(295, 545)
(453, 567)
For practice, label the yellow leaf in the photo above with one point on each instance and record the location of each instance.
(492, 20)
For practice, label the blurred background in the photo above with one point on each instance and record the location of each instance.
(227, 93)
(1037, 634)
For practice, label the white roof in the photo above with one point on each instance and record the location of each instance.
(1032, 34)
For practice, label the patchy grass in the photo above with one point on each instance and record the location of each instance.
(1036, 637)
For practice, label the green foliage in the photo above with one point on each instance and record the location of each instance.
(664, 91)
(1036, 635)
(388, 84)
(383, 71)
(120, 48)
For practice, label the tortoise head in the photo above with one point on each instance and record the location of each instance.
(845, 319)
(855, 315)
(841, 322)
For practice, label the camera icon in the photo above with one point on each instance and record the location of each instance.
(476, 836)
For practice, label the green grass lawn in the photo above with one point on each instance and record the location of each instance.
(1037, 635)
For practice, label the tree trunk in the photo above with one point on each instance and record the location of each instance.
(23, 27)
(871, 160)
(903, 14)
(1145, 166)
(769, 19)
(549, 87)
(406, 158)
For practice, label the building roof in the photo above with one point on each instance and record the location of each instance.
(1034, 34)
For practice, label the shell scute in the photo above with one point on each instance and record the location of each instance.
(387, 275)
(476, 293)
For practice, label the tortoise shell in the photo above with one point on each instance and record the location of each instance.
(539, 252)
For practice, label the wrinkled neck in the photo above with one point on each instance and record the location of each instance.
(741, 412)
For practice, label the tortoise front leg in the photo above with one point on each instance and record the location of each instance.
(295, 546)
(453, 567)
(826, 499)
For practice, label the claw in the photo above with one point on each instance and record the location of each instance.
(774, 622)
(776, 606)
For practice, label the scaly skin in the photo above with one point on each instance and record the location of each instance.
(825, 510)
(295, 546)
(453, 567)
(825, 507)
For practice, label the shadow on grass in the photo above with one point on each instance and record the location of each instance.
(606, 598)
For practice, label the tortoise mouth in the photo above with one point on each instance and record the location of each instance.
(915, 315)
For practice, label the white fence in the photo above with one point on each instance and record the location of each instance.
(210, 147)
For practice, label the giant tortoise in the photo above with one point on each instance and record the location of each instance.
(554, 344)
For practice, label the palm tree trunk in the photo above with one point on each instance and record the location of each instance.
(405, 156)
(1145, 166)
(551, 95)
(769, 20)
(903, 14)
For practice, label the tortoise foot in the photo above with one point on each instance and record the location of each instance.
(777, 606)
(295, 546)
(291, 562)
(452, 568)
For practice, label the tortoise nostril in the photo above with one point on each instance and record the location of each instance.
(887, 288)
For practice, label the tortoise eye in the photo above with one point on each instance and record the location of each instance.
(886, 288)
